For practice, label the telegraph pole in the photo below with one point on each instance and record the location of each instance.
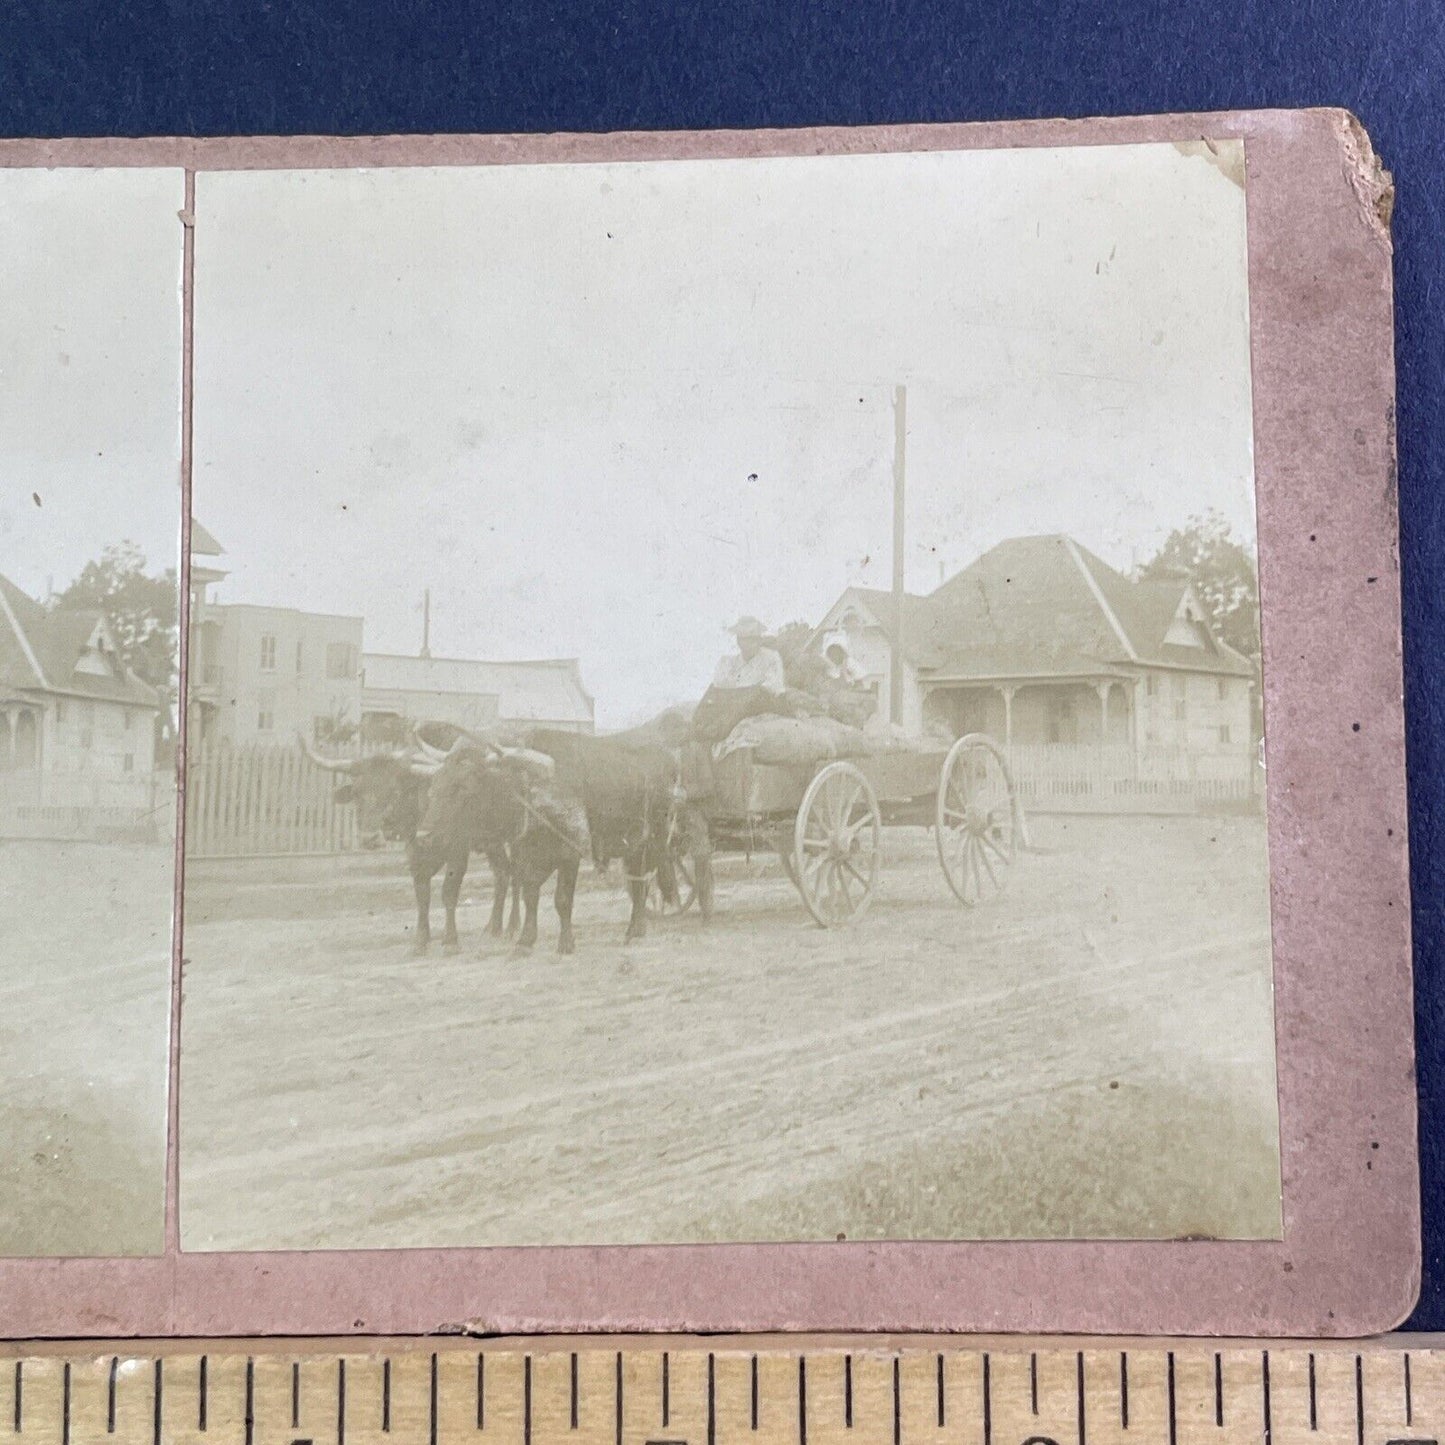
(895, 665)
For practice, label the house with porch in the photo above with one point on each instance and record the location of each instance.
(1099, 685)
(77, 726)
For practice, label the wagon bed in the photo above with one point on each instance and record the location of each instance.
(825, 819)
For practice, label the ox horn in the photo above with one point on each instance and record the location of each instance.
(540, 765)
(331, 765)
(423, 767)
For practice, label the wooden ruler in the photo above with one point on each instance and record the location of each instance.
(725, 1391)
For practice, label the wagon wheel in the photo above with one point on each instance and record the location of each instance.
(975, 819)
(836, 844)
(686, 889)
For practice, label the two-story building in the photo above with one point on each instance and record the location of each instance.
(277, 672)
(264, 674)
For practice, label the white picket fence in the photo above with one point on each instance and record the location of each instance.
(253, 801)
(135, 807)
(1114, 778)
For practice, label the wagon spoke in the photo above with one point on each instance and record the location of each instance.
(848, 865)
(983, 858)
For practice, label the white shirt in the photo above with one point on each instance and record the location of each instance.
(764, 669)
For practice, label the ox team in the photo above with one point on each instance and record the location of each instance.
(538, 802)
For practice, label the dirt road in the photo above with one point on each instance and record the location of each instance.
(85, 964)
(1092, 1054)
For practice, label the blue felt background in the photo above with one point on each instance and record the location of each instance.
(214, 67)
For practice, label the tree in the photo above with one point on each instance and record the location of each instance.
(143, 613)
(1223, 574)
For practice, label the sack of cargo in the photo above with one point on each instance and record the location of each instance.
(796, 742)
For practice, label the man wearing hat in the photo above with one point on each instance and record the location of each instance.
(752, 665)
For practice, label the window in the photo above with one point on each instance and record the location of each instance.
(1223, 684)
(1224, 732)
(1181, 710)
(299, 655)
(129, 717)
(340, 660)
(268, 652)
(60, 710)
(265, 711)
(129, 765)
(1151, 685)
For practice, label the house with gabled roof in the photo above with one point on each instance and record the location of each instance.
(68, 702)
(1040, 642)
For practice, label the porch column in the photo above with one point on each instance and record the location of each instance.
(1007, 693)
(1102, 688)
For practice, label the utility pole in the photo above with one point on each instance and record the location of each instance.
(426, 623)
(895, 665)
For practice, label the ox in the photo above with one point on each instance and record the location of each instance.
(630, 790)
(498, 798)
(389, 793)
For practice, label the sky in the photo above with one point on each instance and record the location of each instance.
(602, 410)
(90, 369)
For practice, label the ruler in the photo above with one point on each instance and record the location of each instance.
(724, 1391)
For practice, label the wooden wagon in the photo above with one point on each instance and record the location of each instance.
(826, 820)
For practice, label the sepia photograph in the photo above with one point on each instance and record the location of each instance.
(724, 704)
(90, 531)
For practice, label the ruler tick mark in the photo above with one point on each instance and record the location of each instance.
(1079, 1372)
(897, 1403)
(940, 1391)
(848, 1391)
(19, 1393)
(573, 1401)
(1034, 1384)
(1314, 1414)
(987, 1404)
(711, 1404)
(386, 1396)
(110, 1395)
(1359, 1401)
(156, 1397)
(1218, 1392)
(527, 1400)
(341, 1402)
(666, 1389)
(1409, 1404)
(1268, 1412)
(618, 1392)
(1123, 1390)
(802, 1400)
(250, 1419)
(201, 1394)
(432, 1407)
(65, 1405)
(481, 1391)
(295, 1394)
(753, 1404)
(1173, 1417)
